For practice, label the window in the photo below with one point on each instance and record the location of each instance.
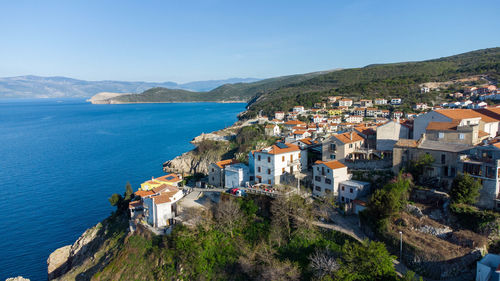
(342, 188)
(443, 158)
(318, 188)
(317, 168)
(268, 171)
(213, 178)
(258, 157)
(351, 190)
(317, 178)
(282, 170)
(268, 159)
(461, 136)
(269, 181)
(332, 156)
(327, 171)
(342, 198)
(283, 158)
(328, 181)
(441, 135)
(258, 169)
(213, 170)
(291, 157)
(350, 145)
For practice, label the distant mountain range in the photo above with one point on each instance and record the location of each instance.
(31, 86)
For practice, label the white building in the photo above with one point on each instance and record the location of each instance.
(272, 130)
(327, 176)
(380, 101)
(237, 175)
(420, 106)
(425, 90)
(389, 133)
(271, 163)
(350, 190)
(298, 109)
(354, 119)
(160, 209)
(280, 115)
(396, 101)
(345, 102)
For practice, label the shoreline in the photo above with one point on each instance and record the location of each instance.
(104, 102)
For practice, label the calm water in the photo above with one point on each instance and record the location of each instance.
(60, 161)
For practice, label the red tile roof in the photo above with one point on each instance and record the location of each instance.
(226, 162)
(277, 150)
(349, 137)
(334, 164)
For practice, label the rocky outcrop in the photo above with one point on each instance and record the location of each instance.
(18, 278)
(67, 257)
(188, 163)
(104, 97)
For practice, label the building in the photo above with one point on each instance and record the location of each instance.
(487, 118)
(389, 133)
(345, 102)
(380, 101)
(237, 175)
(483, 163)
(216, 172)
(350, 190)
(354, 119)
(446, 155)
(366, 103)
(170, 179)
(488, 268)
(272, 130)
(455, 132)
(360, 111)
(293, 123)
(160, 209)
(280, 115)
(298, 109)
(327, 176)
(396, 101)
(373, 112)
(341, 146)
(425, 90)
(420, 106)
(272, 163)
(397, 114)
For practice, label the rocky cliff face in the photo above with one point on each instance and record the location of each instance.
(189, 163)
(90, 253)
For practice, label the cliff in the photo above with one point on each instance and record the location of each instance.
(104, 97)
(91, 252)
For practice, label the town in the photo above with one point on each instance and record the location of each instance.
(343, 150)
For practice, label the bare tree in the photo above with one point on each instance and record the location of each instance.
(323, 262)
(228, 215)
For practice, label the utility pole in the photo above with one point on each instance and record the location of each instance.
(401, 246)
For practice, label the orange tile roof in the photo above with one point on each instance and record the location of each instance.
(406, 143)
(143, 193)
(482, 134)
(226, 162)
(169, 178)
(307, 141)
(164, 197)
(460, 114)
(277, 150)
(334, 164)
(346, 137)
(497, 145)
(294, 122)
(134, 204)
(299, 132)
(442, 126)
(270, 126)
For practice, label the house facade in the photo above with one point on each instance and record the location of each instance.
(271, 163)
(216, 172)
(237, 175)
(327, 176)
(341, 146)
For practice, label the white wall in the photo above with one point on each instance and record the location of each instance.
(276, 165)
(335, 176)
(389, 133)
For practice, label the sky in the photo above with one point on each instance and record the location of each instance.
(187, 40)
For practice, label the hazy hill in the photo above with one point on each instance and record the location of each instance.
(380, 80)
(62, 87)
(244, 92)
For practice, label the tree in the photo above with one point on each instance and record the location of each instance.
(323, 262)
(465, 189)
(417, 167)
(367, 261)
(129, 193)
(228, 216)
(115, 199)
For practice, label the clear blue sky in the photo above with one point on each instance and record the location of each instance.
(196, 40)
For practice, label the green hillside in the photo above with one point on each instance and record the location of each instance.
(381, 80)
(228, 92)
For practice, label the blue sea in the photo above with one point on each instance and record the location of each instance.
(61, 159)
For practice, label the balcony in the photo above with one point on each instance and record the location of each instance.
(293, 163)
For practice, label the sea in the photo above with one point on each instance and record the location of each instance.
(61, 159)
